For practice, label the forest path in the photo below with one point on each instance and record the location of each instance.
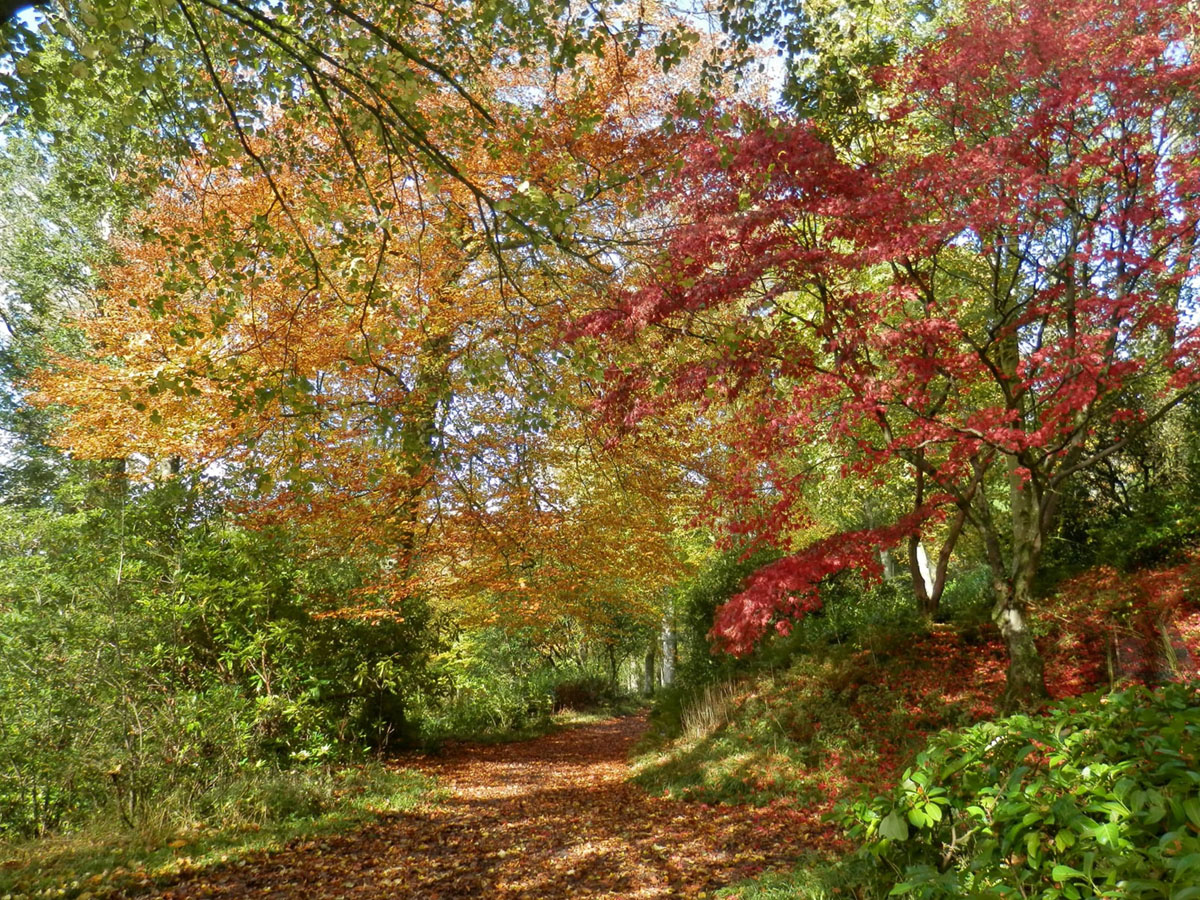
(549, 818)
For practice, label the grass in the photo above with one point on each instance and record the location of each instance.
(104, 859)
(622, 706)
(254, 815)
(843, 716)
(542, 725)
(814, 877)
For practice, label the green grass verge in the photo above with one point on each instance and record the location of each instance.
(814, 877)
(106, 858)
(256, 814)
(835, 724)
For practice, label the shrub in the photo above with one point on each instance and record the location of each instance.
(967, 598)
(491, 683)
(861, 614)
(696, 605)
(151, 658)
(1097, 798)
(583, 693)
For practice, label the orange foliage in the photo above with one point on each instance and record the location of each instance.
(350, 345)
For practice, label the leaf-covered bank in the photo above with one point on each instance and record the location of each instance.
(891, 731)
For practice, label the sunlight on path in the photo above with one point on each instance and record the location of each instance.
(550, 818)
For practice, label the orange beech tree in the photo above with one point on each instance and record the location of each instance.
(419, 77)
(345, 336)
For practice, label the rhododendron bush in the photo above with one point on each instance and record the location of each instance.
(1003, 263)
(1095, 799)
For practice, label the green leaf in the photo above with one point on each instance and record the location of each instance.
(1191, 806)
(1033, 845)
(893, 827)
(1065, 873)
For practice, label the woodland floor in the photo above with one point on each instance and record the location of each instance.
(548, 818)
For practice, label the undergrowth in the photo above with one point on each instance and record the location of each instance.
(253, 814)
(536, 726)
(1094, 798)
(833, 714)
(826, 725)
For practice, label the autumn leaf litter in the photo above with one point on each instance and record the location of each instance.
(553, 817)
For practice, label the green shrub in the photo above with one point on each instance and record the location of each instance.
(858, 613)
(696, 605)
(491, 682)
(967, 597)
(1100, 797)
(154, 653)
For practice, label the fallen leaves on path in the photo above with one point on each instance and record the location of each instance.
(553, 817)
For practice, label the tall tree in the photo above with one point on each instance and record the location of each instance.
(1013, 262)
(58, 209)
(413, 402)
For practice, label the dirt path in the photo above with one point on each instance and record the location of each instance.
(549, 818)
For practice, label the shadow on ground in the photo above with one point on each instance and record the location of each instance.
(553, 817)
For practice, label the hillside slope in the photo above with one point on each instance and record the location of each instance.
(842, 720)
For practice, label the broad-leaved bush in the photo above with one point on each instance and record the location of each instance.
(1099, 797)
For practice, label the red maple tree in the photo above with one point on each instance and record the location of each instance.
(997, 289)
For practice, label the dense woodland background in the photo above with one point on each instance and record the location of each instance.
(821, 373)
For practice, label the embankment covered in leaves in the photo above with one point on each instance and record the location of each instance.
(844, 722)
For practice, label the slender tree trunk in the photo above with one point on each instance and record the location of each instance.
(927, 601)
(888, 561)
(648, 669)
(922, 581)
(668, 641)
(928, 585)
(1012, 587)
(418, 440)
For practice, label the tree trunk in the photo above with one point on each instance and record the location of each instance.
(922, 582)
(1012, 586)
(928, 586)
(668, 649)
(888, 561)
(648, 669)
(1026, 677)
(419, 444)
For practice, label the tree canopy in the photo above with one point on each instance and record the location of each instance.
(508, 297)
(998, 290)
